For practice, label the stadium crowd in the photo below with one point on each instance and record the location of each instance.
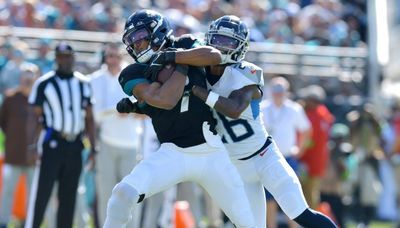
(333, 22)
(362, 148)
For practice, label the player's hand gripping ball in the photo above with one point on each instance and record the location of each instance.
(165, 73)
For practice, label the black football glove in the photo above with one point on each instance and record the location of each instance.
(166, 56)
(152, 71)
(126, 106)
(158, 61)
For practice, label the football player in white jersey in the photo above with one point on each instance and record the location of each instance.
(236, 95)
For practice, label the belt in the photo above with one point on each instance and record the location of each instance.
(64, 136)
(266, 144)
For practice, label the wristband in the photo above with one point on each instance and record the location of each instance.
(183, 69)
(212, 98)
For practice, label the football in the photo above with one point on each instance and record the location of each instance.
(164, 74)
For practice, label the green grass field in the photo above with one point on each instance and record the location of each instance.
(1, 142)
(375, 225)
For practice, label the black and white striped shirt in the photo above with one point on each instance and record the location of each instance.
(63, 101)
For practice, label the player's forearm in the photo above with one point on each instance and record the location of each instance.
(231, 108)
(167, 95)
(201, 56)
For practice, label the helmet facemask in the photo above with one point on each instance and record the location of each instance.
(152, 28)
(138, 35)
(226, 38)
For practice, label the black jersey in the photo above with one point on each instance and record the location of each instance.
(181, 125)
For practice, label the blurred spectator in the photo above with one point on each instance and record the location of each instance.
(343, 98)
(316, 154)
(43, 58)
(332, 184)
(19, 124)
(279, 30)
(353, 36)
(330, 22)
(30, 16)
(103, 16)
(182, 23)
(395, 123)
(387, 206)
(5, 52)
(391, 146)
(9, 76)
(365, 137)
(119, 134)
(314, 21)
(357, 8)
(288, 124)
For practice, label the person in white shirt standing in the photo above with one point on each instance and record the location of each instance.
(119, 134)
(287, 122)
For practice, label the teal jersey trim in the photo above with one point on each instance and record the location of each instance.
(132, 83)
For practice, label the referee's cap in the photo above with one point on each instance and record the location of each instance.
(64, 48)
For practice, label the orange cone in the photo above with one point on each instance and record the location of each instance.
(183, 216)
(325, 209)
(19, 209)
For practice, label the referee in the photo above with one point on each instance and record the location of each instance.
(63, 99)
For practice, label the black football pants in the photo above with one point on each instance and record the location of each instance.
(61, 161)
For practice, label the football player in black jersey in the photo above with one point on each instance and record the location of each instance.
(190, 148)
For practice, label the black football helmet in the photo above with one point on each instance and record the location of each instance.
(146, 24)
(229, 35)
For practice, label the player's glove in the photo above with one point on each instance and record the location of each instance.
(158, 61)
(166, 56)
(152, 71)
(126, 106)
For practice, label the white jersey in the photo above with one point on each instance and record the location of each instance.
(246, 135)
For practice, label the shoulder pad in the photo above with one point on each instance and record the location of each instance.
(131, 72)
(186, 41)
(250, 71)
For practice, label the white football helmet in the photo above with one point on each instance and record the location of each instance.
(231, 36)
